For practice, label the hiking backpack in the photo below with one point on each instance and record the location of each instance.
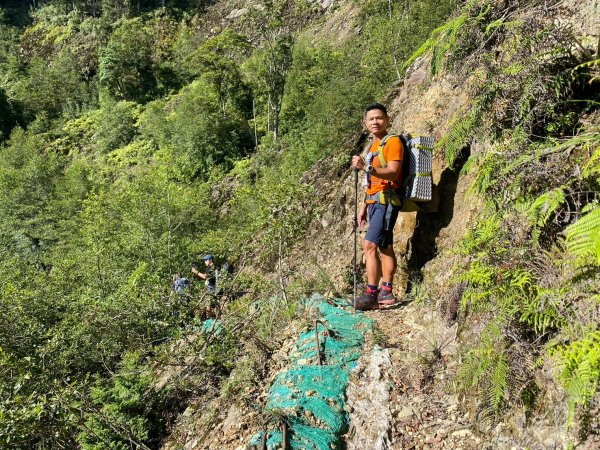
(417, 183)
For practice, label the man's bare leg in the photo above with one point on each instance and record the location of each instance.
(388, 264)
(373, 262)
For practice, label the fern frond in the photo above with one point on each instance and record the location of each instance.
(543, 207)
(447, 42)
(470, 164)
(587, 64)
(427, 45)
(444, 38)
(486, 367)
(487, 174)
(583, 238)
(592, 167)
(587, 140)
(579, 364)
(484, 235)
(460, 134)
(496, 392)
(592, 65)
(543, 309)
(501, 23)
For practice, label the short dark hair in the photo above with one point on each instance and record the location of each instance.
(378, 106)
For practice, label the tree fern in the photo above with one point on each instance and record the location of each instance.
(583, 238)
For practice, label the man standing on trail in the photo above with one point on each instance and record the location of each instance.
(379, 180)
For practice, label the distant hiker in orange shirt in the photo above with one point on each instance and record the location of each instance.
(377, 208)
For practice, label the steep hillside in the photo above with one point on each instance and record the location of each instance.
(514, 112)
(138, 137)
(475, 362)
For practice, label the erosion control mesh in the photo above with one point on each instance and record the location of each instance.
(310, 397)
(211, 326)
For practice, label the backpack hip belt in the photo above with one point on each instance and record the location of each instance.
(385, 197)
(390, 198)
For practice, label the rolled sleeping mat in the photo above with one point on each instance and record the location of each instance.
(420, 188)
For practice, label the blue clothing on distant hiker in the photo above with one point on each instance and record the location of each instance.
(180, 284)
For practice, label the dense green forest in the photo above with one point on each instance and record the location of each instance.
(136, 136)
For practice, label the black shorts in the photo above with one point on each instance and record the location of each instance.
(377, 232)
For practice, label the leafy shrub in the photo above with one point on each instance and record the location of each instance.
(120, 414)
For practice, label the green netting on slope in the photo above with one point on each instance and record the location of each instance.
(212, 326)
(303, 437)
(311, 397)
(346, 336)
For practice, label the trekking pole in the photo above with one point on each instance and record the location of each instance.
(284, 434)
(355, 233)
(317, 344)
(263, 445)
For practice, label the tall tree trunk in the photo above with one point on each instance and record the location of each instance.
(269, 114)
(255, 129)
(275, 121)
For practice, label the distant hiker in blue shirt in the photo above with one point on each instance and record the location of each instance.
(209, 275)
(179, 284)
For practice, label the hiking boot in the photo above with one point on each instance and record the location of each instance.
(386, 297)
(367, 301)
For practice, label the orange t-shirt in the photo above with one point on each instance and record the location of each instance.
(392, 151)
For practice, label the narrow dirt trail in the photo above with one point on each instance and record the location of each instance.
(401, 393)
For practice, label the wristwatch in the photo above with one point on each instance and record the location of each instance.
(369, 169)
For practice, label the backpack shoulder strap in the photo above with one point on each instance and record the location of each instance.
(382, 160)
